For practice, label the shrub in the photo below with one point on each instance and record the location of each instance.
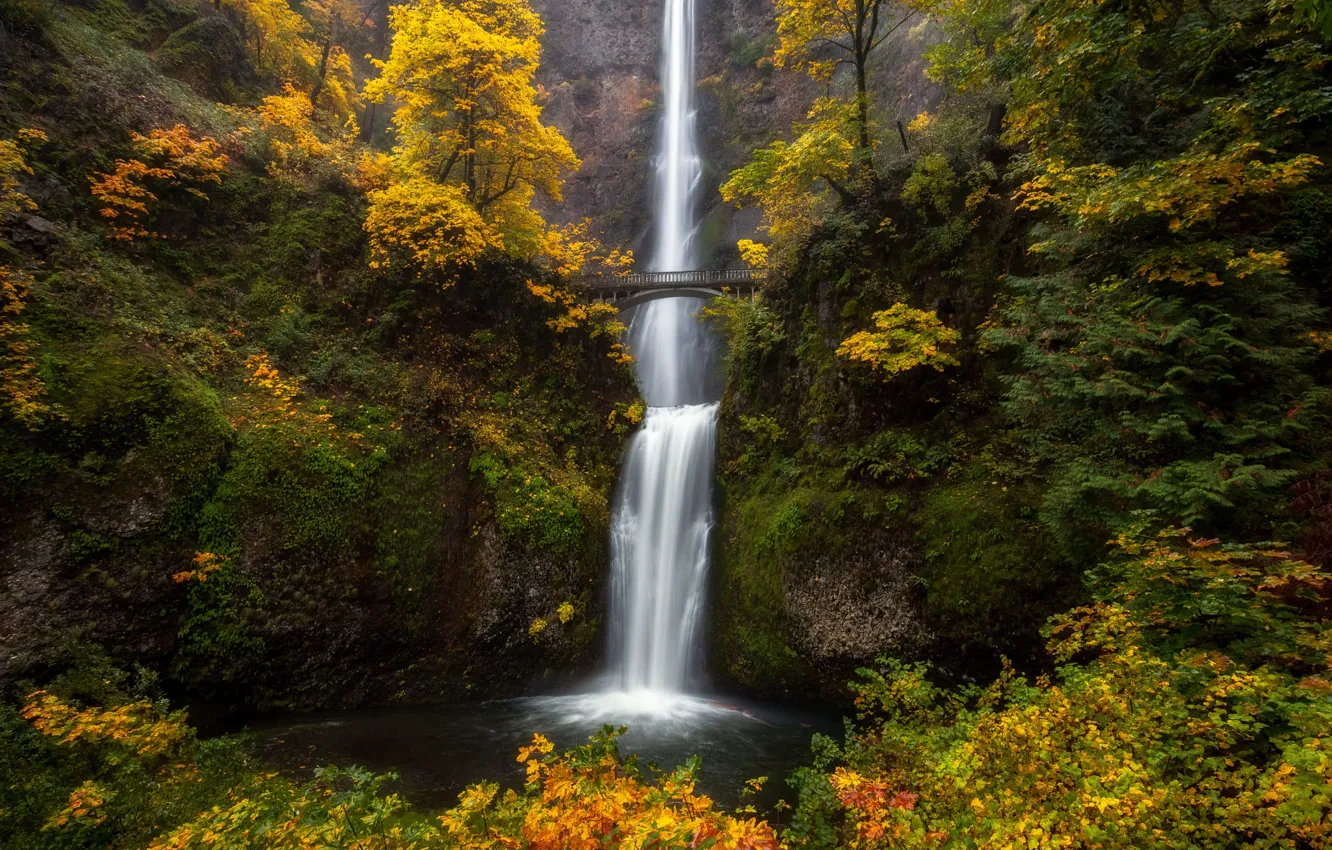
(1190, 709)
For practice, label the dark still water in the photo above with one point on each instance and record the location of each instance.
(439, 751)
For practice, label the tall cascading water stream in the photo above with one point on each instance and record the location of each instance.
(663, 511)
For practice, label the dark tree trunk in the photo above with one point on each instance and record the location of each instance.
(323, 66)
(381, 43)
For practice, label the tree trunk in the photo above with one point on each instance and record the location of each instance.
(323, 66)
(381, 42)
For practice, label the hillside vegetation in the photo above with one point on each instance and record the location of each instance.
(258, 433)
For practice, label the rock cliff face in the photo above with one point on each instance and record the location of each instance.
(601, 69)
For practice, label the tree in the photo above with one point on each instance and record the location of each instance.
(164, 159)
(472, 153)
(331, 22)
(1163, 341)
(278, 35)
(820, 36)
(904, 339)
(789, 179)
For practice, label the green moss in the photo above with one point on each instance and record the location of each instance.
(408, 521)
(211, 56)
(190, 447)
(991, 571)
(530, 507)
(218, 643)
(306, 488)
(769, 525)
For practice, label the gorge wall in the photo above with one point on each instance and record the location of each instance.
(600, 66)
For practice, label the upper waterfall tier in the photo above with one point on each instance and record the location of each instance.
(678, 165)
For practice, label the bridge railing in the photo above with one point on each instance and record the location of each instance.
(704, 278)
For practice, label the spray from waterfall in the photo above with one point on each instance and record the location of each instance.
(663, 511)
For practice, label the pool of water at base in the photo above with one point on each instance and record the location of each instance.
(438, 751)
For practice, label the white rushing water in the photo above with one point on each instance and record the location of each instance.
(663, 511)
(678, 166)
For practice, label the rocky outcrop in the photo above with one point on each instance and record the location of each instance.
(601, 70)
(339, 634)
(850, 607)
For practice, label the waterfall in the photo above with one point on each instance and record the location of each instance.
(663, 510)
(678, 167)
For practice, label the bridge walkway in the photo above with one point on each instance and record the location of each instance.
(628, 290)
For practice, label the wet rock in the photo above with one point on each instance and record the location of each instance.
(856, 605)
(32, 558)
(40, 225)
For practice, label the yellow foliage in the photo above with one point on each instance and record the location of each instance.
(85, 804)
(790, 181)
(277, 35)
(429, 222)
(374, 171)
(906, 338)
(820, 36)
(566, 612)
(277, 401)
(167, 157)
(576, 313)
(1186, 191)
(472, 153)
(291, 112)
(288, 119)
(13, 164)
(584, 800)
(754, 254)
(205, 564)
(921, 123)
(631, 413)
(137, 726)
(1143, 739)
(568, 250)
(537, 627)
(21, 387)
(335, 84)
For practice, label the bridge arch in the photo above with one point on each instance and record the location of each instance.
(642, 296)
(630, 290)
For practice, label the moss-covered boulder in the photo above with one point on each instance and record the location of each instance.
(211, 56)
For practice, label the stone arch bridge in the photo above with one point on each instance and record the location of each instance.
(629, 290)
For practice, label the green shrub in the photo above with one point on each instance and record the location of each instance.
(894, 456)
(530, 507)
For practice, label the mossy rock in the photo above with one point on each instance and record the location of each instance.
(211, 56)
(991, 571)
(170, 16)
